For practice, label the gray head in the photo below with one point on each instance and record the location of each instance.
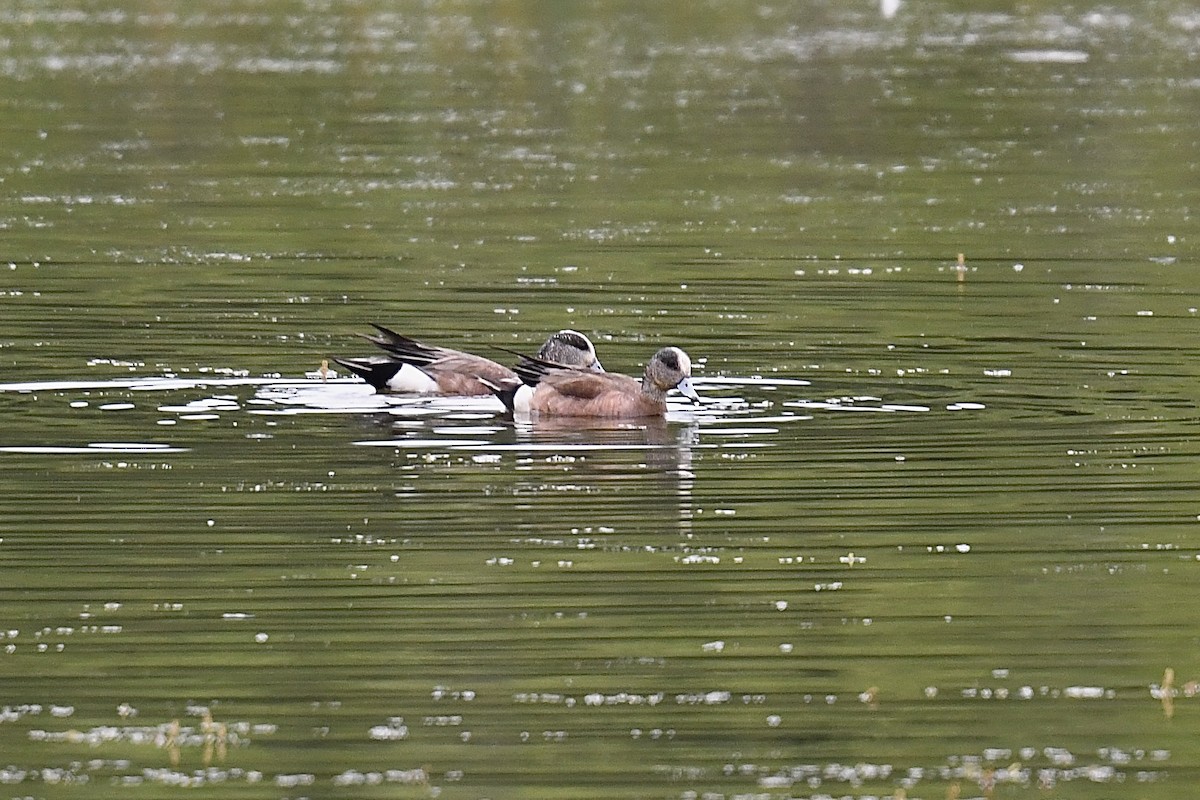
(570, 349)
(670, 369)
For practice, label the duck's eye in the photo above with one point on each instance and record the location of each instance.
(670, 358)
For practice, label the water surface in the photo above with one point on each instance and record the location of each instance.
(932, 534)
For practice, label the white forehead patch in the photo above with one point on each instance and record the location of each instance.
(685, 363)
(582, 341)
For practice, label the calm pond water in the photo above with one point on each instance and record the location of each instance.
(934, 532)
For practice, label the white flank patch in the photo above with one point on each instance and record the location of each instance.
(522, 399)
(411, 379)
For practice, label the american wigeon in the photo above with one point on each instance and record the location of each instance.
(418, 368)
(548, 389)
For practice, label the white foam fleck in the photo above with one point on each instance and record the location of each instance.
(1048, 56)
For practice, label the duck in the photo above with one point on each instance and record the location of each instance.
(411, 366)
(552, 390)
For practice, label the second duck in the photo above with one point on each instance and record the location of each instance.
(547, 388)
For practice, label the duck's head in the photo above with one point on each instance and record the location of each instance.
(671, 369)
(570, 349)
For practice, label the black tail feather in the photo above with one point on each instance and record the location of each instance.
(375, 370)
(507, 393)
(402, 347)
(531, 369)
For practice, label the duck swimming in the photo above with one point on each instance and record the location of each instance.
(546, 388)
(414, 367)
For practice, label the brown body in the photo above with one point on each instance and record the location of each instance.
(414, 367)
(553, 391)
(577, 394)
(458, 373)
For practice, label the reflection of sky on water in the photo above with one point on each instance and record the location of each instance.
(458, 423)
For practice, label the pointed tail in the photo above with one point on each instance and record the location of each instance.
(506, 391)
(375, 371)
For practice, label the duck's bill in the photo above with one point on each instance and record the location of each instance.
(596, 366)
(687, 390)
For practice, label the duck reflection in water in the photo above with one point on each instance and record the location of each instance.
(666, 445)
(611, 457)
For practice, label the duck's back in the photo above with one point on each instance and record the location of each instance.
(459, 373)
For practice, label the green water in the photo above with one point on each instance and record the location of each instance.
(932, 534)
